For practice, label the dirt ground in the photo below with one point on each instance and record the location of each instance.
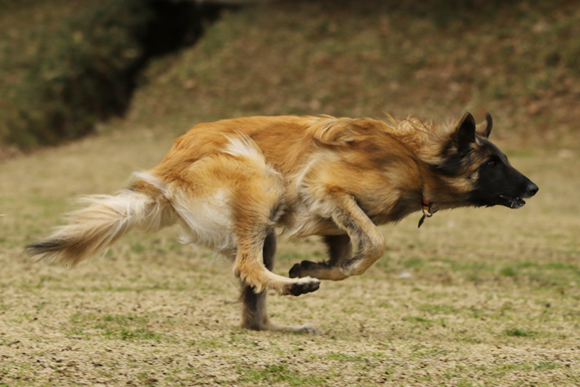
(476, 297)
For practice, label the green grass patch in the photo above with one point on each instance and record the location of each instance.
(127, 327)
(438, 309)
(508, 272)
(413, 263)
(516, 332)
(279, 373)
(123, 333)
(138, 248)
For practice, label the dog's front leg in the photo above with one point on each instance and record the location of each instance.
(361, 232)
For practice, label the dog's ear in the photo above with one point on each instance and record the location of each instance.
(484, 128)
(464, 134)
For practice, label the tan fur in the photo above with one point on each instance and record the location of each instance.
(231, 183)
(107, 218)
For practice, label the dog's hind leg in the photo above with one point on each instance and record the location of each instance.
(249, 265)
(256, 201)
(254, 314)
(339, 249)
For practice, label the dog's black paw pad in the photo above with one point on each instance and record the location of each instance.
(304, 287)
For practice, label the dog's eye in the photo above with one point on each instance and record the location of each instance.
(491, 163)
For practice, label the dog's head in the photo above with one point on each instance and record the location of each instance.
(489, 178)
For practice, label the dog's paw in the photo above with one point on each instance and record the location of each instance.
(307, 285)
(300, 270)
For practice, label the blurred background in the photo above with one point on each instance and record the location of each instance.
(71, 68)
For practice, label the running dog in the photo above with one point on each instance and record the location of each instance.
(230, 184)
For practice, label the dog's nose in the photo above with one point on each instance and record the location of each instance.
(532, 189)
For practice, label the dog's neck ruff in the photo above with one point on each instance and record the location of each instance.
(428, 211)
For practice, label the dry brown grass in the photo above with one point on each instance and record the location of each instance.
(491, 296)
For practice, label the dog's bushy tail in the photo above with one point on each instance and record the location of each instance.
(105, 219)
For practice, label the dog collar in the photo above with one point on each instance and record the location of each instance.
(428, 211)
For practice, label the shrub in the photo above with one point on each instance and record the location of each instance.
(81, 74)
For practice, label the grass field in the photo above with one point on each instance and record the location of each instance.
(476, 297)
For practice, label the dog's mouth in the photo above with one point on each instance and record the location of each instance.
(511, 201)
